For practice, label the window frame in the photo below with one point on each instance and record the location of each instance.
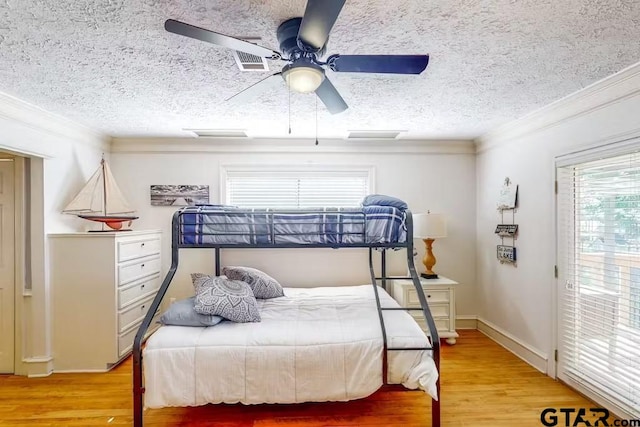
(370, 170)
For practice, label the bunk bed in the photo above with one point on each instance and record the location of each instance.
(380, 335)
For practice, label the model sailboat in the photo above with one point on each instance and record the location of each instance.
(102, 201)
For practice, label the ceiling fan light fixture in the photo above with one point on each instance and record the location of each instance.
(303, 78)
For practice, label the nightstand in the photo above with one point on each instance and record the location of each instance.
(440, 294)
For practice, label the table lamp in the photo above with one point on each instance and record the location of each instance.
(429, 227)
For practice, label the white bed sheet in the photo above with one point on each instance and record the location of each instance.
(313, 345)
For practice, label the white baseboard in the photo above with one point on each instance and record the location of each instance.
(39, 366)
(532, 356)
(466, 322)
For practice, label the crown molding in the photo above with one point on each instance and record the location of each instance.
(617, 87)
(268, 145)
(38, 119)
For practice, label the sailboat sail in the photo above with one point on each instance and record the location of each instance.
(101, 200)
(90, 200)
(115, 203)
(100, 196)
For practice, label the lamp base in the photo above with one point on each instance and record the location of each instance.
(429, 276)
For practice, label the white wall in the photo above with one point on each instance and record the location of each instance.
(426, 180)
(519, 300)
(63, 155)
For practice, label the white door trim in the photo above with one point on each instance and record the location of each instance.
(7, 301)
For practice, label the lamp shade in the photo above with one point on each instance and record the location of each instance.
(429, 226)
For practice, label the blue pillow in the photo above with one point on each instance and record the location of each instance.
(382, 200)
(181, 313)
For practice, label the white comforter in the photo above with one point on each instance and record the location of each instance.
(314, 344)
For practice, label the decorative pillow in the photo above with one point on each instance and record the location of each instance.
(263, 285)
(182, 313)
(231, 299)
(382, 200)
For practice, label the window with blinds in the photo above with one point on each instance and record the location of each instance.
(292, 189)
(599, 297)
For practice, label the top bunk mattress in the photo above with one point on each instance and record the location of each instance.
(225, 225)
(313, 344)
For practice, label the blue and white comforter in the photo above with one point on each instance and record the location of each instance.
(228, 225)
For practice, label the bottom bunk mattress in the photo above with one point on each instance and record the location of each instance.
(312, 345)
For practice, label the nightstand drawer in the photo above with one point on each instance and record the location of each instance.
(442, 324)
(146, 267)
(439, 311)
(432, 295)
(138, 248)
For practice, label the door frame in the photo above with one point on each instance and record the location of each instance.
(606, 149)
(20, 193)
(18, 268)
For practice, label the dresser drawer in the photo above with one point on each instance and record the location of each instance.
(137, 290)
(432, 296)
(133, 314)
(125, 340)
(138, 248)
(143, 268)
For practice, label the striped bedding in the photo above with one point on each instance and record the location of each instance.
(201, 225)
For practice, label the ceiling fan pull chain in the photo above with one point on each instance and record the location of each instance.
(289, 87)
(316, 119)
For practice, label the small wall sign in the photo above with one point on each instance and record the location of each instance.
(506, 230)
(506, 253)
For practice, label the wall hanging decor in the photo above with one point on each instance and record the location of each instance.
(179, 195)
(507, 228)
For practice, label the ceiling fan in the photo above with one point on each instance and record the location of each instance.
(303, 42)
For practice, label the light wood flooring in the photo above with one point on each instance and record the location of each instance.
(482, 385)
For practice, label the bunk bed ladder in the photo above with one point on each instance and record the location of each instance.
(433, 334)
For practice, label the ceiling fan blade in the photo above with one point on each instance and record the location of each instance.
(330, 96)
(256, 89)
(395, 64)
(319, 17)
(198, 33)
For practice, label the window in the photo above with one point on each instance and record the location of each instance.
(599, 296)
(288, 188)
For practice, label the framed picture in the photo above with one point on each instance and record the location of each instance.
(179, 195)
(508, 195)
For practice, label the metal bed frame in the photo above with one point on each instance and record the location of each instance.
(177, 221)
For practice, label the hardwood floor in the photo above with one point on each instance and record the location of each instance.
(482, 385)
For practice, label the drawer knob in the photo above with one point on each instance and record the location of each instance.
(428, 296)
(142, 286)
(141, 244)
(142, 308)
(141, 265)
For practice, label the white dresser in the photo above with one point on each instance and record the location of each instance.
(441, 297)
(102, 285)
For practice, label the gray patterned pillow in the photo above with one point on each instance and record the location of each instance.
(231, 299)
(263, 285)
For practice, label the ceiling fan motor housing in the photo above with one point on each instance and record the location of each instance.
(290, 45)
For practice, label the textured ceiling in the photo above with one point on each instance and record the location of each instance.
(110, 65)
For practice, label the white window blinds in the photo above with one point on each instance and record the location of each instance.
(290, 189)
(599, 304)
